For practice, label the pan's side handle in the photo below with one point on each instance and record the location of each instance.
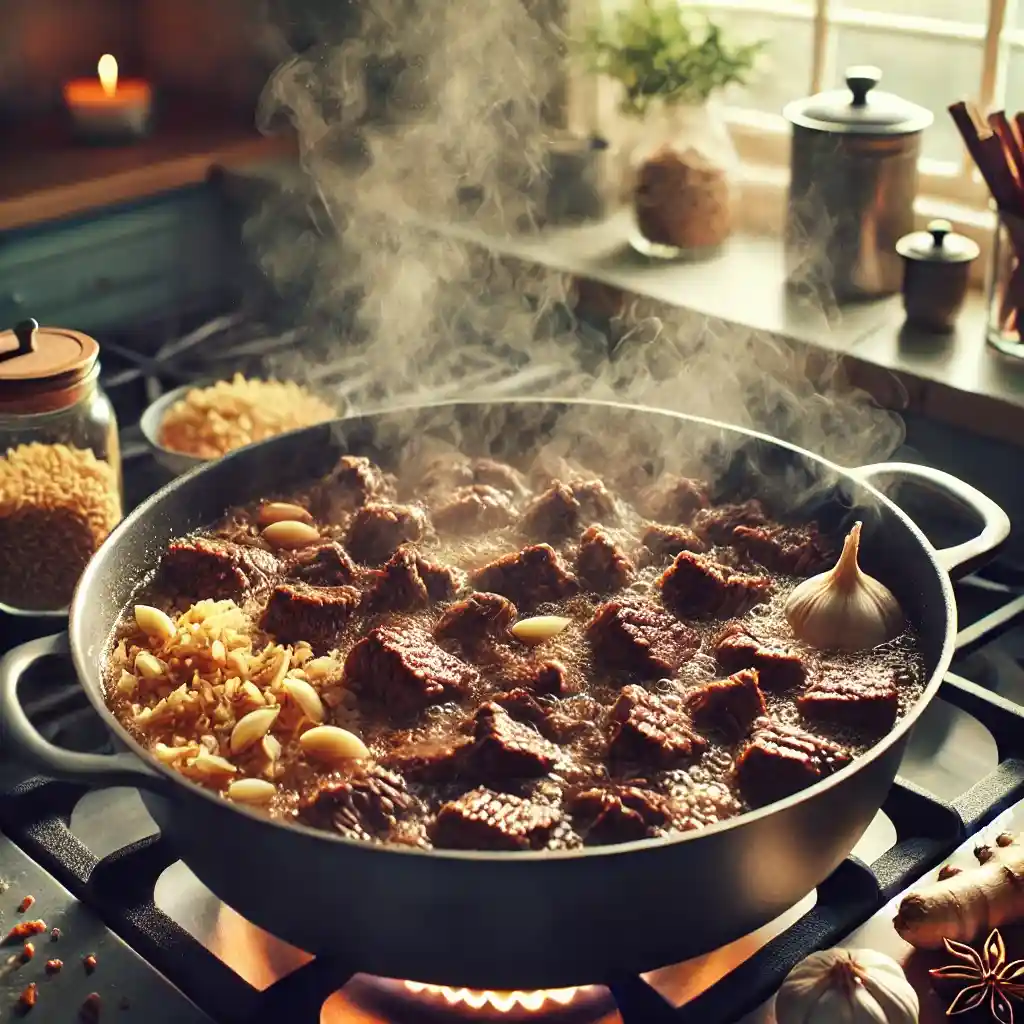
(20, 735)
(995, 523)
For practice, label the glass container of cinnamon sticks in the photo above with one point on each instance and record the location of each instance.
(996, 144)
(1005, 330)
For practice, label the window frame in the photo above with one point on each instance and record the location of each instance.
(762, 140)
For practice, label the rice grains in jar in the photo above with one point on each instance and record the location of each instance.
(60, 467)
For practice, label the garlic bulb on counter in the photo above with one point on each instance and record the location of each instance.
(847, 986)
(844, 609)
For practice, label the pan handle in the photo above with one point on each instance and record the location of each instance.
(995, 523)
(96, 770)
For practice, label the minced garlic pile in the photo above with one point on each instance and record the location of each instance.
(206, 702)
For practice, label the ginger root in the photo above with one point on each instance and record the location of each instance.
(965, 903)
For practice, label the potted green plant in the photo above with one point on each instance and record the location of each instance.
(670, 61)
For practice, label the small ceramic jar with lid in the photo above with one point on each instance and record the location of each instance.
(60, 470)
(936, 274)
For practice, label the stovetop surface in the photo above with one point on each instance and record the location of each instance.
(100, 873)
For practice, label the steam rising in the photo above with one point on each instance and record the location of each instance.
(427, 314)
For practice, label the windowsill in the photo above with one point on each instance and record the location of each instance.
(953, 378)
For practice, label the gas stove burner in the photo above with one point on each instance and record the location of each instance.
(412, 1001)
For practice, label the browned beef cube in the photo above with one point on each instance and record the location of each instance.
(366, 804)
(408, 581)
(529, 577)
(729, 706)
(600, 563)
(869, 702)
(500, 475)
(484, 820)
(597, 504)
(780, 760)
(667, 541)
(620, 814)
(554, 725)
(404, 671)
(736, 649)
(718, 524)
(479, 618)
(443, 474)
(435, 761)
(201, 567)
(376, 531)
(543, 676)
(779, 667)
(504, 749)
(355, 481)
(325, 566)
(551, 678)
(645, 729)
(297, 611)
(641, 637)
(673, 499)
(443, 581)
(473, 509)
(553, 515)
(796, 550)
(522, 706)
(699, 587)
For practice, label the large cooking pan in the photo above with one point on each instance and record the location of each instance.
(527, 919)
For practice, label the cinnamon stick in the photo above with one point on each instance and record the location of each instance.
(1010, 140)
(987, 151)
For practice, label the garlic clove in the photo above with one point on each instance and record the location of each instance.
(844, 609)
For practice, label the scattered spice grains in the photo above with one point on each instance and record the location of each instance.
(25, 929)
(29, 995)
(25, 904)
(89, 1011)
(27, 952)
(90, 962)
(4, 886)
(54, 934)
(54, 966)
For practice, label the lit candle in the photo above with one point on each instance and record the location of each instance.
(104, 109)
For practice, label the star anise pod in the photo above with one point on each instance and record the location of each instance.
(987, 976)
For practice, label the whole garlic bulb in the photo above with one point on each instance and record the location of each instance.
(844, 986)
(844, 609)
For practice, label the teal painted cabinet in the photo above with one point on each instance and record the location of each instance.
(124, 265)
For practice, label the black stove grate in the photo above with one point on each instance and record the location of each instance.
(120, 888)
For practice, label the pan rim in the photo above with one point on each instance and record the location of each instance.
(90, 677)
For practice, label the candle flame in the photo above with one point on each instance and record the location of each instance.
(107, 69)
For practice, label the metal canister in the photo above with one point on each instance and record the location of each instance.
(853, 181)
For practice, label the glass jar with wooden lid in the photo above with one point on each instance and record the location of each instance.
(60, 466)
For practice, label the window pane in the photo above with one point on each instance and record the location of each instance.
(1015, 81)
(785, 70)
(929, 71)
(973, 11)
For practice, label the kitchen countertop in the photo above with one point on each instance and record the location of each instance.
(953, 378)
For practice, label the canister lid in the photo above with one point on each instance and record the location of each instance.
(30, 353)
(859, 109)
(43, 369)
(938, 244)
